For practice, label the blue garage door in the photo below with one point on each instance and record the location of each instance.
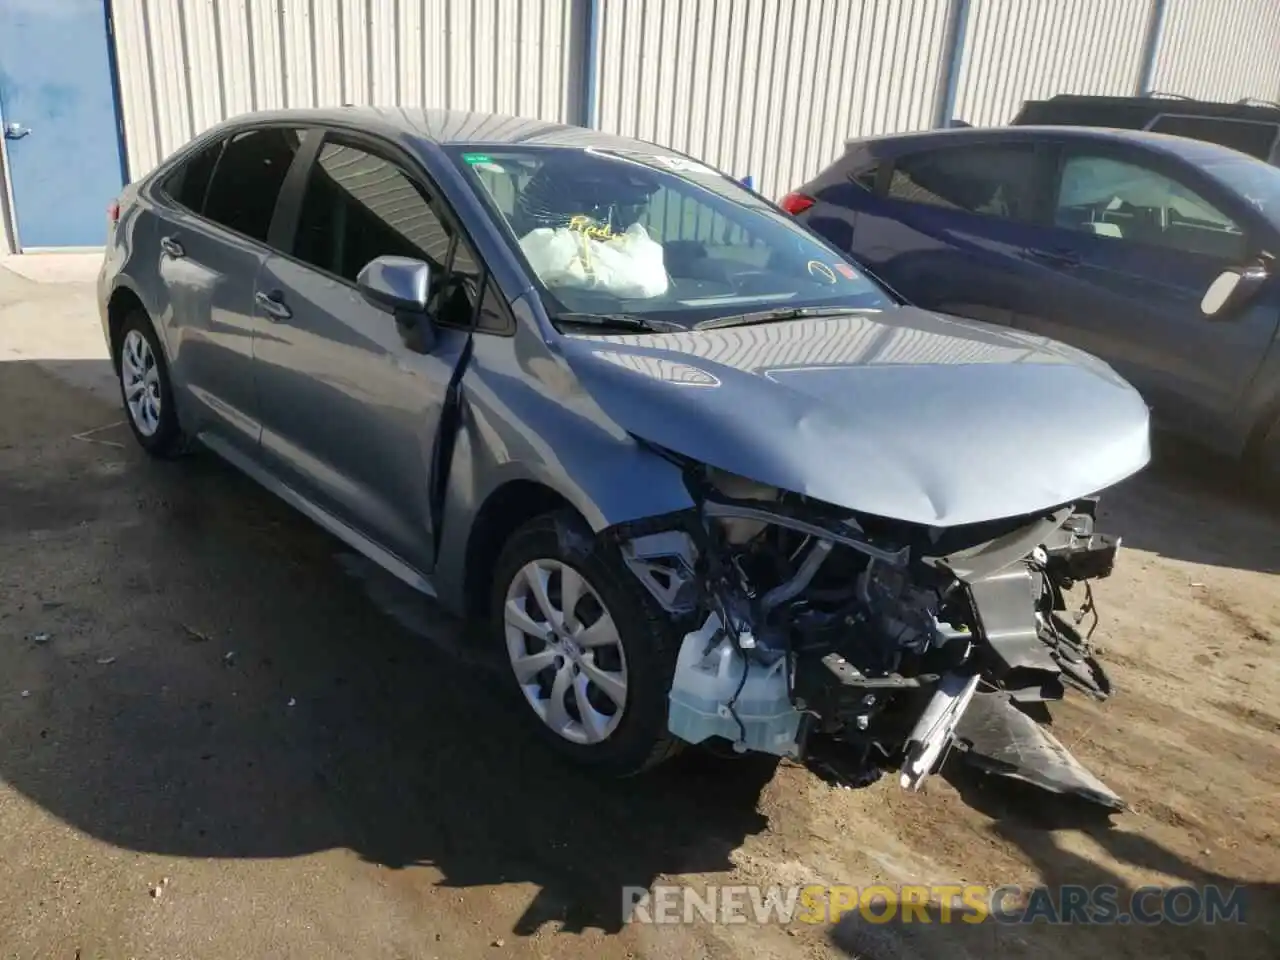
(58, 110)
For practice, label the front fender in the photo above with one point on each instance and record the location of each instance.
(525, 418)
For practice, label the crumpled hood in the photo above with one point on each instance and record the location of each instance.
(903, 413)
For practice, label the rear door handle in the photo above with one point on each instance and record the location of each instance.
(273, 305)
(1054, 258)
(172, 248)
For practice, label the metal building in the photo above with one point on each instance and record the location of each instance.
(96, 92)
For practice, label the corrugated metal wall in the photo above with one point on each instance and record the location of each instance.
(1220, 51)
(770, 88)
(186, 64)
(1015, 50)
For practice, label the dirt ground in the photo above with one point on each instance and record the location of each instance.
(197, 684)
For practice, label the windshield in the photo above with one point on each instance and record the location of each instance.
(657, 240)
(1255, 181)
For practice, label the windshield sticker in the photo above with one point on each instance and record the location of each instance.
(821, 271)
(846, 271)
(674, 164)
(684, 165)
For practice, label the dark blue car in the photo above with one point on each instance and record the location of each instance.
(1155, 253)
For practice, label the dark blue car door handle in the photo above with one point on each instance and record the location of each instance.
(1054, 258)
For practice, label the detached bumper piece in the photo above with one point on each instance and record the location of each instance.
(998, 738)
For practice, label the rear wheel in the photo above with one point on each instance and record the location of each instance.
(591, 654)
(144, 388)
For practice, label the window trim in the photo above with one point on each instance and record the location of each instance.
(293, 194)
(1170, 167)
(1043, 181)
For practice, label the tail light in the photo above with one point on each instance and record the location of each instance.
(113, 213)
(796, 203)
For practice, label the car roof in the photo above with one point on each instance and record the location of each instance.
(1196, 151)
(450, 127)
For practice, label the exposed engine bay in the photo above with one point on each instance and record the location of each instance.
(806, 626)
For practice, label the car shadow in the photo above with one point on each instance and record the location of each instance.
(1051, 831)
(1194, 506)
(203, 674)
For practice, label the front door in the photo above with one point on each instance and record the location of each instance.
(349, 399)
(1147, 242)
(58, 111)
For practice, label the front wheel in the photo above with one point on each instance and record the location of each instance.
(145, 390)
(590, 652)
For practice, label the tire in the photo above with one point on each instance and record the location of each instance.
(143, 375)
(618, 739)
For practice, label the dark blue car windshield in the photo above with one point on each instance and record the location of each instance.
(656, 236)
(1253, 180)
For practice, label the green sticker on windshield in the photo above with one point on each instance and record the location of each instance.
(476, 157)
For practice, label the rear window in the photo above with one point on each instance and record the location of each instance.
(1248, 136)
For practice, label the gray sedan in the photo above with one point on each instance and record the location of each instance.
(706, 480)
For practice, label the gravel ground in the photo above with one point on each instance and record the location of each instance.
(224, 736)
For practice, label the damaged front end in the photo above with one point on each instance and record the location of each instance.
(807, 626)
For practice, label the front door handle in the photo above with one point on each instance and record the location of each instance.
(1054, 258)
(172, 248)
(15, 131)
(273, 305)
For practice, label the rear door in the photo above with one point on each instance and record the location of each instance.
(948, 226)
(349, 399)
(1152, 234)
(211, 242)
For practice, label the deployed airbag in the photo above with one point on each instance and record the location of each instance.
(628, 265)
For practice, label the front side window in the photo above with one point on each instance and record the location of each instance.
(995, 180)
(656, 236)
(359, 206)
(247, 179)
(1129, 202)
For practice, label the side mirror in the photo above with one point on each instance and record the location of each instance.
(1232, 290)
(399, 285)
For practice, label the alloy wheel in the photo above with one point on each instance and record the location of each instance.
(565, 651)
(140, 377)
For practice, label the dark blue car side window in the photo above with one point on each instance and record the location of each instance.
(1129, 202)
(998, 180)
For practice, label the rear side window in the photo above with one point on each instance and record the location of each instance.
(1247, 136)
(995, 180)
(247, 180)
(190, 182)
